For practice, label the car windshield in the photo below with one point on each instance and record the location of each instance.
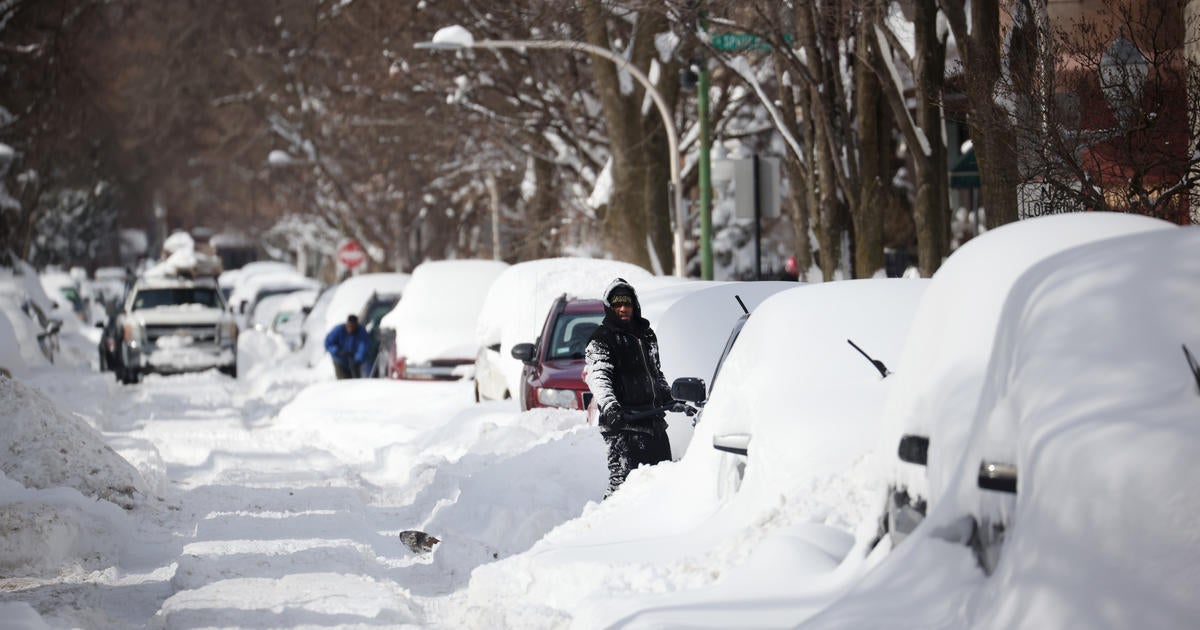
(154, 298)
(733, 335)
(571, 333)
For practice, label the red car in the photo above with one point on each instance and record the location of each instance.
(553, 373)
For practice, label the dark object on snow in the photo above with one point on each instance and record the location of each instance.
(1193, 365)
(418, 542)
(883, 371)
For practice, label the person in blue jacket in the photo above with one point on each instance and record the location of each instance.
(347, 344)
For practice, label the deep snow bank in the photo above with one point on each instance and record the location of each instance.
(60, 488)
(41, 446)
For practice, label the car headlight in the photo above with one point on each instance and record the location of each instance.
(133, 334)
(227, 331)
(564, 398)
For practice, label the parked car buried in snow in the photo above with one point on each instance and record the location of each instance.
(171, 325)
(940, 375)
(430, 334)
(553, 364)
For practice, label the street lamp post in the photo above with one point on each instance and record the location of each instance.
(457, 38)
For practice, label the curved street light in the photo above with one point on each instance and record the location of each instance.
(457, 38)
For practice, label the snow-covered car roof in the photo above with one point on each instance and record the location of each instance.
(689, 343)
(436, 316)
(248, 287)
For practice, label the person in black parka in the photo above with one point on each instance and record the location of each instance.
(625, 376)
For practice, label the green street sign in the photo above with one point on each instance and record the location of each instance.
(736, 42)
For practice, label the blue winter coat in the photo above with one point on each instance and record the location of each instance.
(339, 342)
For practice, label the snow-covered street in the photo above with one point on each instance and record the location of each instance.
(280, 506)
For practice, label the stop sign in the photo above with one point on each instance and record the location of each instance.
(351, 254)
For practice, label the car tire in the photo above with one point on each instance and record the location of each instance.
(130, 376)
(230, 370)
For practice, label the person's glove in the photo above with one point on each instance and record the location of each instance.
(681, 407)
(613, 416)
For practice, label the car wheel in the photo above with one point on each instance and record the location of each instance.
(130, 376)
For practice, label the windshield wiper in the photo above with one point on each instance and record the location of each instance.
(1193, 365)
(883, 371)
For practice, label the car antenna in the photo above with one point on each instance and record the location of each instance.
(741, 304)
(1193, 365)
(883, 371)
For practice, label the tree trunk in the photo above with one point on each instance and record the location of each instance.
(934, 238)
(636, 208)
(798, 179)
(867, 216)
(991, 130)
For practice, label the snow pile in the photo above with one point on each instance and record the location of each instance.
(60, 488)
(516, 306)
(185, 261)
(259, 352)
(15, 327)
(42, 447)
(486, 479)
(432, 322)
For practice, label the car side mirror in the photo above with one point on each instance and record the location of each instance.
(524, 352)
(914, 449)
(690, 389)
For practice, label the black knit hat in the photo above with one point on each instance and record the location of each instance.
(620, 292)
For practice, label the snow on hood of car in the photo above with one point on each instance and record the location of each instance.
(940, 375)
(437, 315)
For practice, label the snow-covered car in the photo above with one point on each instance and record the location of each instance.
(65, 292)
(230, 279)
(1090, 399)
(34, 334)
(250, 291)
(288, 320)
(516, 306)
(110, 284)
(805, 346)
(172, 324)
(554, 362)
(432, 327)
(940, 375)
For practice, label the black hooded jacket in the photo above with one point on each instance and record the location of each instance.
(623, 366)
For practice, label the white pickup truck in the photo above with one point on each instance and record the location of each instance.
(175, 324)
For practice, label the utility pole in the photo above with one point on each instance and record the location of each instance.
(705, 171)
